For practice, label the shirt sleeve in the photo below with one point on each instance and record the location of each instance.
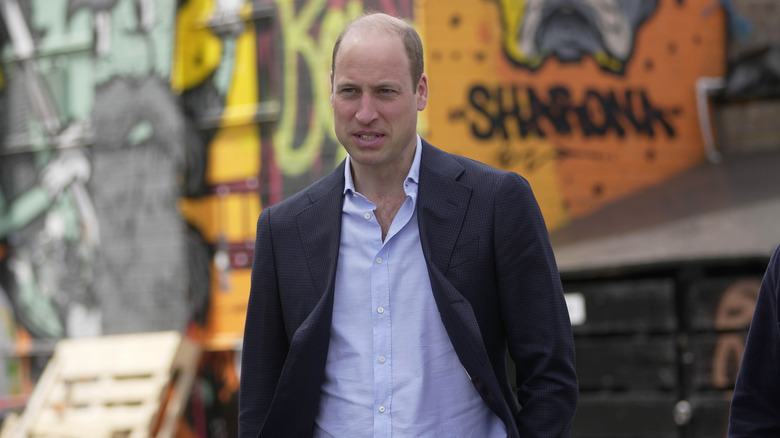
(539, 333)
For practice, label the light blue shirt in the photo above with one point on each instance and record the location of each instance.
(391, 368)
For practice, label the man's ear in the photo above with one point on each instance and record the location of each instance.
(331, 88)
(422, 92)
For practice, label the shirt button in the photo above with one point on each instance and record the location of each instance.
(367, 216)
(382, 409)
(380, 309)
(379, 259)
(382, 359)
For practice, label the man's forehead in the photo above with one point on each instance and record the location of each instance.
(368, 37)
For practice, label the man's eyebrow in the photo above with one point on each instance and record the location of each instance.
(388, 85)
(345, 85)
(352, 84)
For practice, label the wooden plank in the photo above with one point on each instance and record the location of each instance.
(183, 372)
(134, 385)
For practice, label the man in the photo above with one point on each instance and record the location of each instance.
(385, 296)
(755, 407)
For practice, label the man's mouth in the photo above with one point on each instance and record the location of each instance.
(368, 138)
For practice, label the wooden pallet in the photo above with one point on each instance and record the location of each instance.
(123, 386)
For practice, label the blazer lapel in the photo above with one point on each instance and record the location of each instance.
(319, 225)
(320, 228)
(443, 202)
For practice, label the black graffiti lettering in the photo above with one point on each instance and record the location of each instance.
(597, 114)
(503, 113)
(479, 97)
(560, 106)
(538, 110)
(649, 115)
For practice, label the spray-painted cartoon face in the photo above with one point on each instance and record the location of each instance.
(535, 30)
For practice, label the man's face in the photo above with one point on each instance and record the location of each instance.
(374, 101)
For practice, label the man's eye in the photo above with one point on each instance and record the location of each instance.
(386, 91)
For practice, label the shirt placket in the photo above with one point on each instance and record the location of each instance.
(380, 300)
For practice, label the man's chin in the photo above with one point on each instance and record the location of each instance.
(366, 159)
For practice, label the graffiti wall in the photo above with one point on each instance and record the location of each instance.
(590, 100)
(91, 158)
(140, 139)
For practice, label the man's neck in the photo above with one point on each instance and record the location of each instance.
(384, 187)
(381, 182)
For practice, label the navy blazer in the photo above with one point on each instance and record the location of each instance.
(755, 406)
(493, 277)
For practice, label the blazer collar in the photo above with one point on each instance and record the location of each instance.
(319, 225)
(442, 204)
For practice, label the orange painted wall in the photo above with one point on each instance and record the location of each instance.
(480, 81)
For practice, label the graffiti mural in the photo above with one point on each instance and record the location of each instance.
(91, 159)
(49, 220)
(146, 136)
(589, 100)
(734, 312)
(534, 30)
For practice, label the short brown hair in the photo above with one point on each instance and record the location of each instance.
(409, 37)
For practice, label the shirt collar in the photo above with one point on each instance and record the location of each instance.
(412, 177)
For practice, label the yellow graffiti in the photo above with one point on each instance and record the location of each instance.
(605, 60)
(241, 101)
(298, 44)
(512, 12)
(234, 152)
(198, 51)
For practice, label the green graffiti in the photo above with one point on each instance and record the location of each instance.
(74, 52)
(315, 52)
(140, 43)
(65, 61)
(23, 210)
(223, 75)
(140, 133)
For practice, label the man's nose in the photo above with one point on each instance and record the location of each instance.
(366, 112)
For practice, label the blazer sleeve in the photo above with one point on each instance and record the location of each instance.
(755, 406)
(265, 342)
(536, 319)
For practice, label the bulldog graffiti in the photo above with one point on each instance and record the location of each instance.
(535, 30)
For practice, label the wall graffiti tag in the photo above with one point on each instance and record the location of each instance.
(598, 88)
(734, 312)
(520, 112)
